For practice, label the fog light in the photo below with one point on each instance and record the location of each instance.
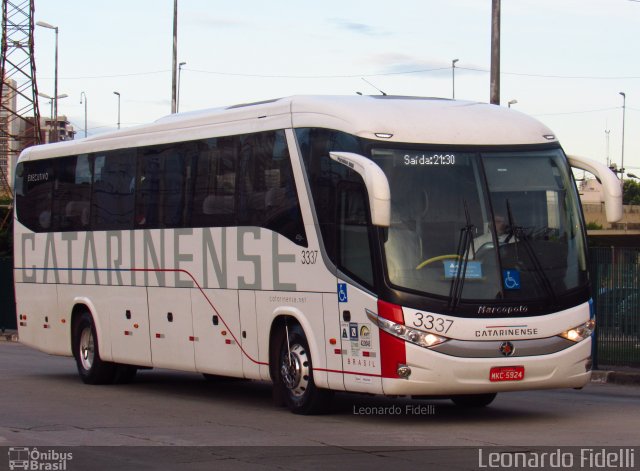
(400, 329)
(404, 371)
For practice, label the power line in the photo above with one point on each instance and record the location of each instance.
(579, 112)
(380, 74)
(572, 77)
(340, 76)
(87, 77)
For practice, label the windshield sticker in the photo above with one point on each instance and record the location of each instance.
(511, 279)
(429, 159)
(473, 271)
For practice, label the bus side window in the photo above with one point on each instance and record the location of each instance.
(148, 188)
(214, 192)
(267, 192)
(176, 182)
(324, 175)
(72, 193)
(353, 232)
(113, 193)
(160, 188)
(34, 188)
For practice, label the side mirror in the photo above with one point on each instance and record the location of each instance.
(611, 186)
(375, 181)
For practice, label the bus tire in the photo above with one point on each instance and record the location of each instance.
(473, 400)
(293, 375)
(91, 368)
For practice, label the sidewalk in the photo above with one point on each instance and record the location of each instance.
(9, 335)
(627, 376)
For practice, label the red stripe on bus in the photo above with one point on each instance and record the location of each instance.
(253, 360)
(374, 375)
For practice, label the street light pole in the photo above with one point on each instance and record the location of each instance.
(453, 78)
(494, 86)
(624, 107)
(607, 131)
(179, 82)
(83, 94)
(117, 93)
(174, 100)
(55, 80)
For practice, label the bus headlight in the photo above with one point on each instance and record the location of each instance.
(417, 337)
(580, 333)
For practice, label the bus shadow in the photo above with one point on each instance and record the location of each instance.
(258, 394)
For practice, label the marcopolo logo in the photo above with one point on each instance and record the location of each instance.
(37, 460)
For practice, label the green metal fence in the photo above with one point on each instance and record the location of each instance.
(615, 274)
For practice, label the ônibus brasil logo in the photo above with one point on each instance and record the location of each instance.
(36, 460)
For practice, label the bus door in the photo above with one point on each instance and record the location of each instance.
(359, 340)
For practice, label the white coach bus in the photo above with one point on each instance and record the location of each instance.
(384, 245)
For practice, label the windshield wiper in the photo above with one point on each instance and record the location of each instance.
(465, 246)
(520, 235)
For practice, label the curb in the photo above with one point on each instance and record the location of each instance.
(9, 337)
(615, 377)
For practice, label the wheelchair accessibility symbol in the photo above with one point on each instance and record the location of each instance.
(342, 293)
(511, 279)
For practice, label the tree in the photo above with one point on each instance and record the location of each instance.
(631, 192)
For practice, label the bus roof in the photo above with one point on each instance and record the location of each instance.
(405, 119)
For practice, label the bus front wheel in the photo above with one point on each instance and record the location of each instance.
(294, 374)
(91, 368)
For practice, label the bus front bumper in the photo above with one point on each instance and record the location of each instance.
(435, 374)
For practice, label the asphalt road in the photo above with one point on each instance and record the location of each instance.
(43, 403)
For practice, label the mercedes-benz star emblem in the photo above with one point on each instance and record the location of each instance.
(507, 349)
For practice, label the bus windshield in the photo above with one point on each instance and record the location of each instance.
(482, 226)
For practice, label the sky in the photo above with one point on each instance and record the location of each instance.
(564, 61)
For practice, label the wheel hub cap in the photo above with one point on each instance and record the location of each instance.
(294, 369)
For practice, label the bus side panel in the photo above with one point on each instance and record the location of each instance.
(40, 320)
(249, 335)
(171, 328)
(215, 350)
(129, 325)
(335, 377)
(361, 356)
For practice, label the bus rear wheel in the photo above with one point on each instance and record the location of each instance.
(91, 368)
(294, 375)
(474, 400)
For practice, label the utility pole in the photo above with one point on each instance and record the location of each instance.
(174, 71)
(19, 112)
(494, 88)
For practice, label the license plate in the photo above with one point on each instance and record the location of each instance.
(506, 373)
